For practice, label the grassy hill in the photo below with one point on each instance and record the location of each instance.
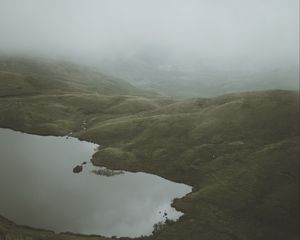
(240, 152)
(40, 76)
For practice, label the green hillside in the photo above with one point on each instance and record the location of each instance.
(35, 75)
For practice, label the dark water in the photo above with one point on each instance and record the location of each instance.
(39, 189)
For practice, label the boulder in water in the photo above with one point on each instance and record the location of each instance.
(77, 169)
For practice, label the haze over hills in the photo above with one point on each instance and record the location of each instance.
(142, 77)
(181, 79)
(39, 75)
(183, 49)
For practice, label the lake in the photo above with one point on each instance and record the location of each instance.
(38, 188)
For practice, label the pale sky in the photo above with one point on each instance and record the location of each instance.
(218, 30)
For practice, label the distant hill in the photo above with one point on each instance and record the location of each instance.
(202, 80)
(36, 75)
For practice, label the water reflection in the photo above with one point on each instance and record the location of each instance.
(106, 172)
(38, 188)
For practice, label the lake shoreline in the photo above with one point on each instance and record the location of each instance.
(231, 184)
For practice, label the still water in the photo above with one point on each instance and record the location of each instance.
(38, 188)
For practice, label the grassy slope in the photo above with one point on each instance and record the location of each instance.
(239, 152)
(40, 76)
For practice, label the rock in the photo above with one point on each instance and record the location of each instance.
(77, 169)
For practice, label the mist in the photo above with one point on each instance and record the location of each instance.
(214, 32)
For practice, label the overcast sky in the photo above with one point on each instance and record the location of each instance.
(218, 30)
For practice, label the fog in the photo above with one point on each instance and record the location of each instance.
(260, 32)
